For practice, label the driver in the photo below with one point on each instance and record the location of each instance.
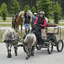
(41, 23)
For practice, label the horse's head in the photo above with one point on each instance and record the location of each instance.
(30, 13)
(21, 14)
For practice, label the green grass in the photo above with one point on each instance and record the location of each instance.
(5, 25)
(1, 35)
(7, 19)
(60, 24)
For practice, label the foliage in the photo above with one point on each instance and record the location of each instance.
(33, 9)
(44, 5)
(26, 8)
(15, 7)
(3, 11)
(57, 12)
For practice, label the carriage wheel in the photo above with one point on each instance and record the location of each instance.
(60, 45)
(50, 47)
(24, 49)
(37, 47)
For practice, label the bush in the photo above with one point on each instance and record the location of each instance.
(45, 5)
(57, 12)
(33, 9)
(3, 11)
(15, 7)
(26, 8)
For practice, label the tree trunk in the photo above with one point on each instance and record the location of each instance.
(20, 4)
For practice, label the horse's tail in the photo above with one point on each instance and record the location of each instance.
(13, 23)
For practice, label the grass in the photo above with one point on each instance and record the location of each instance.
(8, 19)
(1, 35)
(60, 24)
(5, 25)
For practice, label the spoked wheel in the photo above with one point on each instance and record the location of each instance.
(50, 47)
(24, 49)
(60, 45)
(38, 47)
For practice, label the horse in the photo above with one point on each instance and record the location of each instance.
(19, 21)
(11, 38)
(29, 44)
(30, 14)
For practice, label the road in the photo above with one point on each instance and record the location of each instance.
(41, 57)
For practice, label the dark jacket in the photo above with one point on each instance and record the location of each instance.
(27, 19)
(33, 19)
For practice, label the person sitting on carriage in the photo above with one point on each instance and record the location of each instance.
(26, 23)
(41, 24)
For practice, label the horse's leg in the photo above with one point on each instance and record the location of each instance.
(9, 50)
(21, 28)
(12, 25)
(32, 51)
(15, 49)
(16, 28)
(27, 52)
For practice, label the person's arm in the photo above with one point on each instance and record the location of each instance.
(36, 21)
(29, 17)
(44, 23)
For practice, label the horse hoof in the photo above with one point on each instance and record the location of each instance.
(15, 55)
(32, 54)
(9, 56)
(29, 56)
(26, 58)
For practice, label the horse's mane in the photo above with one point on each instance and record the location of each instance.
(21, 13)
(30, 13)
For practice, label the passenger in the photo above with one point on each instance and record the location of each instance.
(33, 20)
(26, 23)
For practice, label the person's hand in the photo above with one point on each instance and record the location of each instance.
(27, 13)
(39, 25)
(36, 24)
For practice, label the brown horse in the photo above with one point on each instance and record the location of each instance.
(19, 21)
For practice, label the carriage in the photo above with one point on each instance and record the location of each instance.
(51, 40)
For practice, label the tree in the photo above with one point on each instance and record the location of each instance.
(15, 7)
(33, 9)
(26, 8)
(3, 11)
(44, 5)
(57, 12)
